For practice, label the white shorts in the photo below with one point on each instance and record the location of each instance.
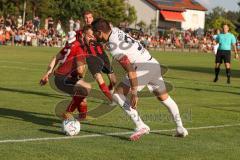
(148, 74)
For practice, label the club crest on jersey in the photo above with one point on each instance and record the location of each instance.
(120, 37)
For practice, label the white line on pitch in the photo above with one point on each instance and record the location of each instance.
(20, 68)
(108, 134)
(19, 62)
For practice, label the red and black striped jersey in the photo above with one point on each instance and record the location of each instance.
(92, 49)
(70, 55)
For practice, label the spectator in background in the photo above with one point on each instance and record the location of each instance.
(238, 43)
(77, 25)
(59, 27)
(71, 24)
(28, 38)
(13, 22)
(8, 21)
(215, 44)
(2, 36)
(50, 22)
(36, 23)
(46, 24)
(17, 38)
(204, 44)
(8, 36)
(168, 41)
(2, 21)
(55, 36)
(19, 22)
(161, 41)
(22, 36)
(195, 42)
(29, 25)
(177, 42)
(34, 41)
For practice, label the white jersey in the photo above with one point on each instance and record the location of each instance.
(122, 44)
(148, 69)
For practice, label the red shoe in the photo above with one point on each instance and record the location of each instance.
(82, 116)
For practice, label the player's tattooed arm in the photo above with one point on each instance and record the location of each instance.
(124, 61)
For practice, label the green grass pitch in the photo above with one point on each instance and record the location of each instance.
(27, 112)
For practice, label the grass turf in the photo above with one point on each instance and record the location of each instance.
(27, 111)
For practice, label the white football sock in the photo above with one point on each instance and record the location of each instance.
(124, 103)
(173, 109)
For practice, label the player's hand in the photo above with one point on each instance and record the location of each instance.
(44, 80)
(236, 56)
(133, 101)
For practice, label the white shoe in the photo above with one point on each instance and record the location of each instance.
(181, 132)
(112, 104)
(139, 132)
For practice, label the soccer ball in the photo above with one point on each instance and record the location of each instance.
(71, 127)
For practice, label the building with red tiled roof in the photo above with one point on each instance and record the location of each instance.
(177, 5)
(180, 14)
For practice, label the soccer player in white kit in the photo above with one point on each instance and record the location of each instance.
(142, 70)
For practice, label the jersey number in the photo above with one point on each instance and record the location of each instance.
(131, 40)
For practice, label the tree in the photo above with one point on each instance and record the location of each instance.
(130, 14)
(112, 10)
(239, 14)
(116, 11)
(218, 17)
(216, 12)
(141, 25)
(220, 21)
(152, 26)
(8, 7)
(73, 8)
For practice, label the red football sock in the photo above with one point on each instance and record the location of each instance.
(82, 109)
(106, 91)
(110, 86)
(76, 101)
(71, 107)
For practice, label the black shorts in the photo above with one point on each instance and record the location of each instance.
(223, 55)
(68, 85)
(98, 64)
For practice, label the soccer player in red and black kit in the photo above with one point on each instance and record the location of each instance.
(97, 60)
(68, 75)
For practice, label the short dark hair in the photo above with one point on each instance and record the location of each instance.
(86, 28)
(101, 24)
(87, 12)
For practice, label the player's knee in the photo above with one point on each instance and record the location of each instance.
(82, 90)
(114, 81)
(122, 89)
(113, 78)
(99, 78)
(84, 102)
(228, 65)
(162, 96)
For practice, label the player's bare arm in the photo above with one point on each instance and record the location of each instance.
(124, 61)
(81, 69)
(235, 51)
(53, 63)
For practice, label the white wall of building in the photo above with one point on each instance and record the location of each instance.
(193, 19)
(145, 11)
